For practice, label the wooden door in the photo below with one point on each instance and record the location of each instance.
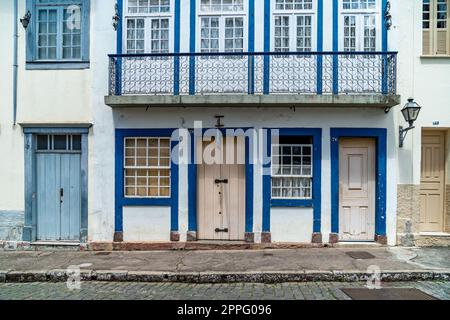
(357, 189)
(432, 181)
(221, 191)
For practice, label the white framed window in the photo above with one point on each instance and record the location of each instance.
(360, 25)
(293, 25)
(147, 167)
(148, 25)
(435, 24)
(222, 26)
(292, 168)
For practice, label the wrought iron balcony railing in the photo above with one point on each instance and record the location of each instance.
(253, 73)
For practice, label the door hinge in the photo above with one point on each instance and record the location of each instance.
(221, 181)
(221, 230)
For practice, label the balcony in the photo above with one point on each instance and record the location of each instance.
(357, 79)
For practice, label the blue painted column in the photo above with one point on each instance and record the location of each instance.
(119, 49)
(192, 186)
(193, 15)
(251, 46)
(335, 46)
(266, 184)
(267, 17)
(176, 49)
(319, 46)
(384, 40)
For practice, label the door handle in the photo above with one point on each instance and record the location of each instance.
(61, 194)
(221, 181)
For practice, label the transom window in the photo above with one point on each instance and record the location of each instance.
(147, 167)
(358, 4)
(221, 5)
(58, 142)
(148, 25)
(148, 6)
(292, 168)
(436, 35)
(293, 4)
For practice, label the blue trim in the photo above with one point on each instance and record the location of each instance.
(192, 46)
(119, 48)
(266, 182)
(177, 24)
(192, 181)
(267, 17)
(251, 46)
(319, 46)
(316, 201)
(384, 45)
(121, 201)
(56, 130)
(381, 174)
(335, 46)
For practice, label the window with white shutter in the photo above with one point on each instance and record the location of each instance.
(435, 24)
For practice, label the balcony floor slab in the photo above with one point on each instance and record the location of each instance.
(239, 100)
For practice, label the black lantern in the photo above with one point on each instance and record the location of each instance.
(26, 19)
(410, 112)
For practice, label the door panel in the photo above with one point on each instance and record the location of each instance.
(357, 189)
(48, 178)
(432, 181)
(221, 204)
(71, 198)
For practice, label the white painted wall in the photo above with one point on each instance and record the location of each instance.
(291, 225)
(146, 224)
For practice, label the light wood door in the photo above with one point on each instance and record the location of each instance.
(221, 190)
(357, 189)
(432, 181)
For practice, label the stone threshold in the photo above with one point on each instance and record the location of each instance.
(62, 275)
(435, 234)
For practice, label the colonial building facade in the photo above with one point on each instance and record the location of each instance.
(258, 121)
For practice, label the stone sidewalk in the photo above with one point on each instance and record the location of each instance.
(314, 264)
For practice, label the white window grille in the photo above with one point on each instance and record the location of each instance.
(147, 167)
(293, 4)
(358, 4)
(221, 5)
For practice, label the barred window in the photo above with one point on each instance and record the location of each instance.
(147, 167)
(221, 5)
(292, 168)
(359, 4)
(148, 6)
(293, 4)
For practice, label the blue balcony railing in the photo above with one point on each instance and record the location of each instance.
(253, 73)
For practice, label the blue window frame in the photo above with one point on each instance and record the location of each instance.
(314, 199)
(121, 199)
(58, 34)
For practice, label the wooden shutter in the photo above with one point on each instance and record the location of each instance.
(427, 42)
(442, 41)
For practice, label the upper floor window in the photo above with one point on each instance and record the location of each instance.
(436, 36)
(293, 25)
(221, 5)
(360, 25)
(222, 26)
(147, 26)
(58, 32)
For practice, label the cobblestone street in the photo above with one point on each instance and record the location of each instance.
(181, 291)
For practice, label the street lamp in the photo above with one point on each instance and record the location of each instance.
(410, 112)
(26, 19)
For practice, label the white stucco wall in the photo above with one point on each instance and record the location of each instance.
(146, 224)
(291, 224)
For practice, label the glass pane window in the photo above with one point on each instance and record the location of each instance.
(209, 39)
(350, 33)
(370, 35)
(58, 142)
(441, 14)
(136, 35)
(293, 4)
(148, 6)
(358, 4)
(234, 34)
(160, 35)
(304, 33)
(292, 166)
(281, 34)
(147, 167)
(47, 34)
(426, 14)
(71, 34)
(221, 5)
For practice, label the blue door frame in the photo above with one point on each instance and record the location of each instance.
(380, 135)
(192, 182)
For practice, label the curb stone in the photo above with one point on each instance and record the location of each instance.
(61, 275)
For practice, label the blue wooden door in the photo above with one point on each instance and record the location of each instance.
(58, 196)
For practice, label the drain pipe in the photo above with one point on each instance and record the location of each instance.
(15, 63)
